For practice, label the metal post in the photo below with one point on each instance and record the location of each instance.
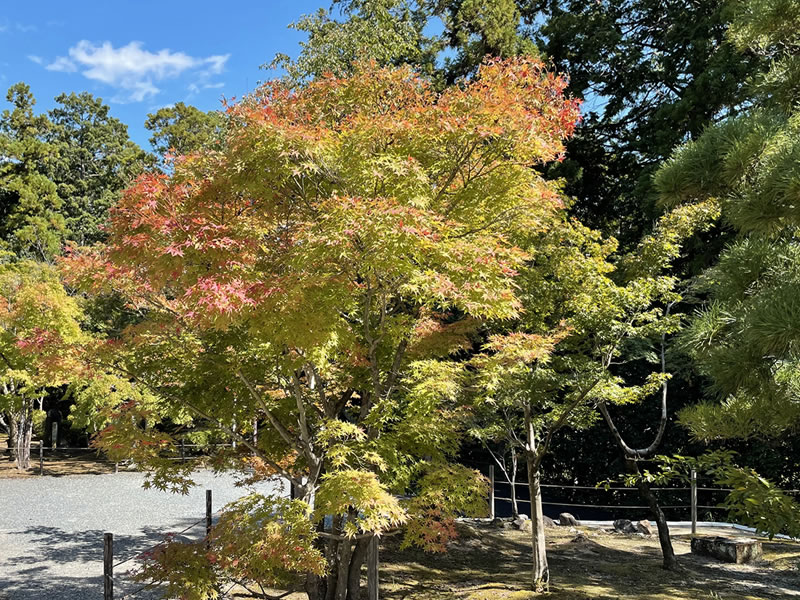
(694, 502)
(491, 491)
(41, 457)
(208, 518)
(372, 569)
(108, 566)
(54, 435)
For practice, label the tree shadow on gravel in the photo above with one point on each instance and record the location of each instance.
(68, 565)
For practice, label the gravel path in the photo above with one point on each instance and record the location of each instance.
(51, 529)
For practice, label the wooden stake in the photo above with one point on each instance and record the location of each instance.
(208, 518)
(491, 491)
(108, 566)
(372, 569)
(694, 502)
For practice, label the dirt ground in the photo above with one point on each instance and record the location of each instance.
(58, 463)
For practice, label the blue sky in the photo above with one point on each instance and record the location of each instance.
(141, 55)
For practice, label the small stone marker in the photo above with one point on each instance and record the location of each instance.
(733, 550)
(567, 519)
(644, 527)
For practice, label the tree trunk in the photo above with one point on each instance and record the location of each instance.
(513, 482)
(21, 434)
(541, 572)
(24, 438)
(356, 562)
(345, 559)
(11, 442)
(343, 572)
(670, 562)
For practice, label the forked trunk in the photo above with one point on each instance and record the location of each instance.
(541, 572)
(345, 561)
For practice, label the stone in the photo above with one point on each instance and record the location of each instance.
(733, 550)
(549, 523)
(498, 522)
(624, 526)
(644, 527)
(567, 519)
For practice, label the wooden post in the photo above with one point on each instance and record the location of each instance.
(54, 435)
(208, 518)
(491, 491)
(694, 502)
(183, 450)
(41, 457)
(116, 468)
(108, 566)
(372, 569)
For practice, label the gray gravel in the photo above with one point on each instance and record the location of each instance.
(51, 529)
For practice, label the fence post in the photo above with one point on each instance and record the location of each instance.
(694, 502)
(108, 566)
(183, 450)
(208, 518)
(372, 569)
(41, 457)
(491, 491)
(54, 435)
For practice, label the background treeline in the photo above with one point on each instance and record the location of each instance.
(654, 74)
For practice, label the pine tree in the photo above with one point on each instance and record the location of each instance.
(745, 338)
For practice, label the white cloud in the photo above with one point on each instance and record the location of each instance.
(62, 64)
(196, 88)
(134, 70)
(37, 59)
(26, 28)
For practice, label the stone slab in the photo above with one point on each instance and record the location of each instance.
(734, 550)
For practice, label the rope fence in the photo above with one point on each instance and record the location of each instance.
(65, 450)
(693, 488)
(108, 555)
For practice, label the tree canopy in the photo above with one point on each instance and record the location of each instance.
(316, 273)
(744, 338)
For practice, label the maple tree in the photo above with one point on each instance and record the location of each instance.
(316, 274)
(39, 328)
(557, 365)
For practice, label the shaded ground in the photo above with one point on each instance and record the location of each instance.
(486, 563)
(51, 529)
(489, 564)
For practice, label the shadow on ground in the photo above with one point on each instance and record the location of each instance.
(69, 565)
